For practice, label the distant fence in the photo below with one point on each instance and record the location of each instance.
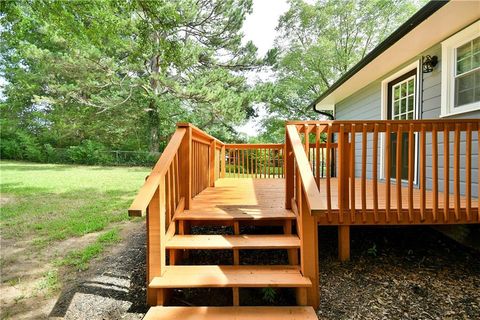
(103, 157)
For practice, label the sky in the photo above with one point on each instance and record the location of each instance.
(259, 27)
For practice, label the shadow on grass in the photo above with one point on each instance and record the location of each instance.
(32, 167)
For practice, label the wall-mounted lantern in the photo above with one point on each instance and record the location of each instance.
(428, 63)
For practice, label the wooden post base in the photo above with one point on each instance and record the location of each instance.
(344, 243)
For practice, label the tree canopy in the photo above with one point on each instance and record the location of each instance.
(319, 42)
(122, 73)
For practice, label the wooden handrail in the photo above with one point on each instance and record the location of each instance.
(312, 194)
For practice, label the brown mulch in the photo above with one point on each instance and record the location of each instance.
(394, 273)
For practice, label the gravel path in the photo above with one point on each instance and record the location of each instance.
(395, 273)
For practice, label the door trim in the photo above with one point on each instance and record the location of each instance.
(384, 110)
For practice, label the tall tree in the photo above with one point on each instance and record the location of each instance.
(319, 42)
(122, 71)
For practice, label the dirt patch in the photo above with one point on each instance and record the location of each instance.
(114, 285)
(4, 200)
(28, 274)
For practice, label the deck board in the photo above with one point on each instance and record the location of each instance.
(257, 198)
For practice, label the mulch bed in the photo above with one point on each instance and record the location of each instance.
(394, 273)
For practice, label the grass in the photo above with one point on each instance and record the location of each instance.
(50, 202)
(79, 259)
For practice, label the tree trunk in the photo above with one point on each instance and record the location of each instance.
(153, 128)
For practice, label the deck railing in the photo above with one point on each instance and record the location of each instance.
(254, 160)
(418, 166)
(191, 162)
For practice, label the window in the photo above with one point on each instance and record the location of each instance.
(461, 71)
(403, 99)
(467, 77)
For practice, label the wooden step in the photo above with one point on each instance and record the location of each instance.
(233, 242)
(230, 276)
(236, 213)
(231, 313)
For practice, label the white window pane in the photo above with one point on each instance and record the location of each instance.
(464, 65)
(466, 88)
(410, 86)
(411, 103)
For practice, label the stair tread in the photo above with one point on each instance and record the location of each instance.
(230, 276)
(231, 313)
(233, 242)
(236, 213)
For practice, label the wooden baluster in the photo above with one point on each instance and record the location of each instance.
(374, 174)
(387, 168)
(328, 168)
(268, 162)
(256, 163)
(177, 178)
(398, 173)
(423, 171)
(411, 166)
(342, 179)
(446, 173)
(247, 151)
(211, 163)
(352, 172)
(364, 171)
(468, 168)
(435, 172)
(289, 172)
(456, 169)
(317, 155)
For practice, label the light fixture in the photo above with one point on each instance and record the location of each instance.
(428, 63)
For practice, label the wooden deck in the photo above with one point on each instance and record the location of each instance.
(258, 199)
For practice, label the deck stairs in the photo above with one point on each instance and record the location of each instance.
(236, 275)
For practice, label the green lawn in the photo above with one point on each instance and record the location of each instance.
(50, 202)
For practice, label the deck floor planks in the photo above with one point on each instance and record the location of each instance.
(237, 198)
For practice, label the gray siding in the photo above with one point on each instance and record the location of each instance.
(366, 105)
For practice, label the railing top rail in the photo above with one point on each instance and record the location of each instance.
(255, 145)
(199, 132)
(140, 204)
(314, 199)
(394, 125)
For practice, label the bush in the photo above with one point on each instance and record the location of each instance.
(20, 146)
(89, 152)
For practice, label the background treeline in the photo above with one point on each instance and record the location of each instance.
(86, 77)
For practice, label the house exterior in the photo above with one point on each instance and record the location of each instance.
(398, 81)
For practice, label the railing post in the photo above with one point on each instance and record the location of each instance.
(289, 167)
(211, 163)
(222, 162)
(185, 167)
(309, 249)
(343, 190)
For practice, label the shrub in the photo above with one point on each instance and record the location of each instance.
(89, 152)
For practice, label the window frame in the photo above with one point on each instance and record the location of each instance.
(415, 65)
(449, 66)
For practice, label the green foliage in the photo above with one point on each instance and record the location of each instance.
(319, 42)
(122, 73)
(372, 250)
(89, 152)
(269, 295)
